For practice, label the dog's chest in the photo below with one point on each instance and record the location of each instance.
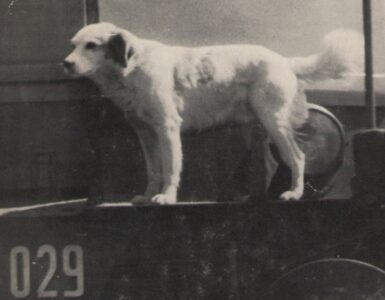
(125, 101)
(122, 94)
(135, 103)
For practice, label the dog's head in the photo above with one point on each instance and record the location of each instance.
(98, 46)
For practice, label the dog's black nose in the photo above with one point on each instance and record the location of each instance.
(68, 64)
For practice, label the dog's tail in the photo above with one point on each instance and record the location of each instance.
(343, 54)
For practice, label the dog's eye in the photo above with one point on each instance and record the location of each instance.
(90, 46)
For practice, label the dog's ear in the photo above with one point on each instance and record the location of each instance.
(116, 50)
(130, 53)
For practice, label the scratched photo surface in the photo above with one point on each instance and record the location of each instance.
(72, 160)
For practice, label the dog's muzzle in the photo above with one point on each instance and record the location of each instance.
(69, 66)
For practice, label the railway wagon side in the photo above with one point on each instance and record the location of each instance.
(62, 144)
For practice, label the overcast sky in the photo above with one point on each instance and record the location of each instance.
(291, 27)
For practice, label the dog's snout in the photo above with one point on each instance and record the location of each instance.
(68, 64)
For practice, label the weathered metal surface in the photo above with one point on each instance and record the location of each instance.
(201, 251)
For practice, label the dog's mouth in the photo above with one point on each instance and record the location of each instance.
(73, 72)
(70, 73)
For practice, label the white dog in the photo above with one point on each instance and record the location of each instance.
(164, 90)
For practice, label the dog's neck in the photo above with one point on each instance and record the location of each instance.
(114, 86)
(110, 80)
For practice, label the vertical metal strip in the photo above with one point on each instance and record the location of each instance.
(370, 100)
(92, 11)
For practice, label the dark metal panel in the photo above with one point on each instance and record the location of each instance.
(29, 38)
(45, 153)
(192, 252)
(31, 46)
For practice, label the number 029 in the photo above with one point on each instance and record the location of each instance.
(20, 271)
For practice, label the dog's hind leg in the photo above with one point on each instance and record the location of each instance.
(292, 156)
(273, 110)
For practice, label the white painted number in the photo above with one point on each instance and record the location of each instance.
(20, 271)
(20, 262)
(52, 258)
(74, 269)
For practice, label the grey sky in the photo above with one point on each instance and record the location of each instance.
(291, 27)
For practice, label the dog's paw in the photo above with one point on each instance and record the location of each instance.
(163, 199)
(140, 200)
(291, 195)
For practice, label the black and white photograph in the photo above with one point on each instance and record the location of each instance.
(192, 150)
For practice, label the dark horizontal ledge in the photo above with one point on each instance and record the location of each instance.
(32, 73)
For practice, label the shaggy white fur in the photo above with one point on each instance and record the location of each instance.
(165, 90)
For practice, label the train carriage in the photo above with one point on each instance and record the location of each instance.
(70, 164)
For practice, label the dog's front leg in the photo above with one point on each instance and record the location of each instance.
(171, 160)
(150, 147)
(151, 151)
